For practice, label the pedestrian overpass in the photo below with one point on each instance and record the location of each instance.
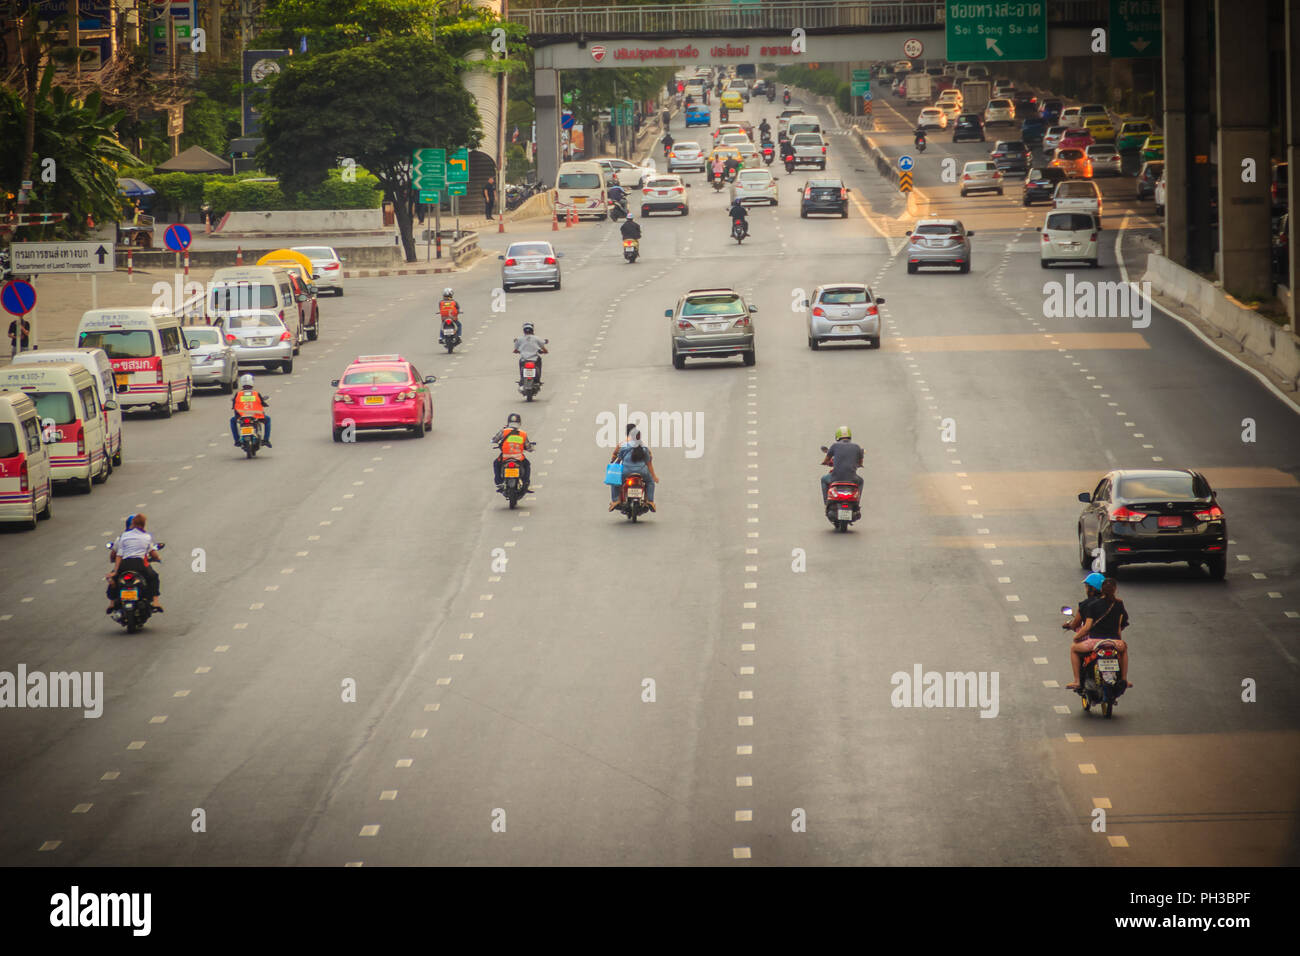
(568, 36)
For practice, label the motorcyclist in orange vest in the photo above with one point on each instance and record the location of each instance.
(249, 403)
(448, 307)
(513, 442)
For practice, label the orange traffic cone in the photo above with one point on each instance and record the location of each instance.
(555, 222)
(501, 222)
(568, 219)
(239, 255)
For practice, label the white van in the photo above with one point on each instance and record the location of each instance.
(151, 366)
(253, 288)
(26, 491)
(72, 425)
(802, 124)
(96, 362)
(581, 187)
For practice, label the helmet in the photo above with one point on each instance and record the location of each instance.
(1095, 580)
(448, 294)
(129, 519)
(245, 381)
(528, 328)
(513, 419)
(843, 432)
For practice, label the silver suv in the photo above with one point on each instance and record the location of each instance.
(938, 242)
(711, 323)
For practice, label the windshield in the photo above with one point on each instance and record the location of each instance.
(377, 376)
(1077, 190)
(1069, 154)
(55, 405)
(713, 305)
(844, 296)
(529, 249)
(662, 183)
(243, 295)
(203, 336)
(755, 176)
(579, 181)
(808, 139)
(1168, 487)
(123, 344)
(316, 252)
(936, 229)
(263, 320)
(1069, 222)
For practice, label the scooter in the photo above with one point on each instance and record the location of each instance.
(738, 230)
(632, 501)
(668, 146)
(785, 97)
(250, 435)
(789, 164)
(448, 337)
(843, 503)
(132, 605)
(1099, 681)
(717, 183)
(617, 210)
(528, 384)
(769, 153)
(920, 142)
(631, 249)
(512, 481)
(771, 94)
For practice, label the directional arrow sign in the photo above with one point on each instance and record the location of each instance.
(905, 182)
(1135, 28)
(982, 32)
(458, 166)
(45, 258)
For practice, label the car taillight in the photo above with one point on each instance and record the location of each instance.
(1128, 515)
(843, 193)
(512, 262)
(230, 340)
(872, 310)
(22, 476)
(158, 376)
(331, 265)
(818, 310)
(996, 174)
(285, 336)
(965, 175)
(683, 324)
(742, 322)
(81, 442)
(550, 260)
(343, 397)
(1215, 513)
(403, 396)
(807, 193)
(823, 149)
(672, 154)
(1093, 237)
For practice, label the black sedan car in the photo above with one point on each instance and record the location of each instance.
(824, 196)
(1148, 177)
(1010, 156)
(1040, 184)
(968, 126)
(1154, 516)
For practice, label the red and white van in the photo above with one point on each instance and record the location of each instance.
(72, 425)
(26, 491)
(151, 365)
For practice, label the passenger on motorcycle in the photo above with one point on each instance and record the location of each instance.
(717, 170)
(250, 403)
(765, 130)
(132, 551)
(637, 460)
(787, 150)
(530, 348)
(448, 307)
(738, 211)
(512, 442)
(1103, 617)
(618, 195)
(630, 229)
(844, 459)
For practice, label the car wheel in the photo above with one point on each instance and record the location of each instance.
(557, 283)
(228, 386)
(751, 356)
(506, 287)
(1043, 263)
(1217, 566)
(963, 194)
(686, 212)
(104, 471)
(911, 268)
(999, 192)
(184, 404)
(338, 434)
(874, 342)
(1093, 263)
(1085, 556)
(1025, 203)
(965, 267)
(287, 367)
(48, 512)
(813, 343)
(803, 213)
(165, 409)
(417, 430)
(679, 361)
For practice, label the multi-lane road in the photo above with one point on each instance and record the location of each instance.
(380, 663)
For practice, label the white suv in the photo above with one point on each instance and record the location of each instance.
(1069, 235)
(980, 175)
(999, 111)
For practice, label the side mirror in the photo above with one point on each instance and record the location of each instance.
(430, 379)
(334, 383)
(300, 297)
(806, 304)
(970, 232)
(1085, 497)
(847, 189)
(559, 255)
(908, 233)
(668, 313)
(880, 300)
(501, 257)
(753, 308)
(194, 343)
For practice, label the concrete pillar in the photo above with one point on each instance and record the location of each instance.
(1243, 84)
(1175, 127)
(1292, 135)
(1198, 90)
(546, 99)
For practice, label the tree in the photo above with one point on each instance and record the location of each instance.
(374, 104)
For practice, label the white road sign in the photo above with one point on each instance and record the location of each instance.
(45, 258)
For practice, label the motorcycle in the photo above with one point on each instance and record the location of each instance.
(528, 385)
(769, 153)
(738, 230)
(250, 435)
(789, 164)
(617, 209)
(632, 500)
(631, 249)
(447, 337)
(920, 142)
(668, 146)
(717, 182)
(771, 94)
(1099, 681)
(132, 599)
(843, 503)
(785, 97)
(512, 482)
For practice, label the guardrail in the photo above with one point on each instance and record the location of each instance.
(465, 248)
(776, 16)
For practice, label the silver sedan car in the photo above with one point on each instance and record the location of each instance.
(212, 360)
(843, 312)
(938, 242)
(530, 263)
(259, 337)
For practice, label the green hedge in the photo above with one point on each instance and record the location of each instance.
(824, 82)
(227, 194)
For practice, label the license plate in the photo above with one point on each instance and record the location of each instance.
(131, 595)
(374, 400)
(512, 471)
(635, 492)
(259, 341)
(1170, 521)
(846, 514)
(530, 373)
(845, 328)
(714, 326)
(578, 199)
(246, 430)
(1107, 665)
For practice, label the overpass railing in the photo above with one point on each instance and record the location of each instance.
(769, 16)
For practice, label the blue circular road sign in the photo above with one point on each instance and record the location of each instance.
(905, 163)
(566, 120)
(18, 297)
(866, 95)
(177, 237)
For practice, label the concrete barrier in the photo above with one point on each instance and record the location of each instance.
(465, 248)
(534, 207)
(1274, 347)
(301, 222)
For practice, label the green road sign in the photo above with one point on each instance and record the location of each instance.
(1135, 28)
(860, 87)
(996, 32)
(428, 197)
(458, 167)
(861, 76)
(429, 169)
(456, 189)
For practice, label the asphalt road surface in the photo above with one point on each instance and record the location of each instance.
(711, 685)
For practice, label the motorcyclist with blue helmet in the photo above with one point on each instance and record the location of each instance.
(1101, 616)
